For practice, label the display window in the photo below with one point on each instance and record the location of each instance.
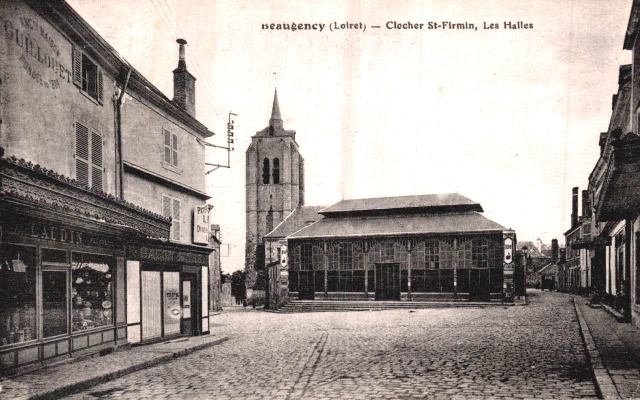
(91, 291)
(17, 294)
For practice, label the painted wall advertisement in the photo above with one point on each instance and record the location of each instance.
(201, 224)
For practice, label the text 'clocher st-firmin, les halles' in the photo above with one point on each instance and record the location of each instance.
(395, 25)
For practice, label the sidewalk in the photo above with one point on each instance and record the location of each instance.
(62, 379)
(614, 350)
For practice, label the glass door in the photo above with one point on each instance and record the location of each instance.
(55, 309)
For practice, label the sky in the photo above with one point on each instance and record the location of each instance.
(509, 118)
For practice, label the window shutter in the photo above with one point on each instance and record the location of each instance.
(174, 149)
(99, 89)
(176, 219)
(82, 154)
(166, 207)
(77, 66)
(167, 146)
(96, 161)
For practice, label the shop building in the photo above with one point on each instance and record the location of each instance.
(104, 230)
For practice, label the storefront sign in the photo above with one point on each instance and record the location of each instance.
(167, 256)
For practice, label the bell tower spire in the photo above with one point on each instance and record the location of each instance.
(276, 119)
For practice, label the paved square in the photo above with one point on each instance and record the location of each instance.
(531, 351)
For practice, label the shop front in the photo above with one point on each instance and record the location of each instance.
(167, 290)
(62, 266)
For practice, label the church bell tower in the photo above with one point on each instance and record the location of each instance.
(274, 184)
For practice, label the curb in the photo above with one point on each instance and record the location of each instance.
(76, 387)
(602, 379)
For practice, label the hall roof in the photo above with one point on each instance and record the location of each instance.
(298, 219)
(403, 204)
(399, 225)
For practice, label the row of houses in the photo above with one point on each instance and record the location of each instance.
(602, 244)
(104, 224)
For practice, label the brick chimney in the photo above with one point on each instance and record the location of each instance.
(574, 207)
(184, 84)
(586, 204)
(554, 250)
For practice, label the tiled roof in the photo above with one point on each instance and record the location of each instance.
(298, 219)
(407, 224)
(417, 203)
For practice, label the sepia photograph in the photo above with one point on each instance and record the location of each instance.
(340, 199)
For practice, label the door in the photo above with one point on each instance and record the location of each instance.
(307, 288)
(387, 281)
(151, 305)
(479, 285)
(189, 305)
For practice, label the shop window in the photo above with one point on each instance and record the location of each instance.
(88, 157)
(265, 171)
(91, 291)
(171, 209)
(54, 303)
(371, 282)
(293, 281)
(87, 75)
(276, 171)
(170, 148)
(17, 294)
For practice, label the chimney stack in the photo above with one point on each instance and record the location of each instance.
(554, 250)
(586, 204)
(574, 208)
(184, 84)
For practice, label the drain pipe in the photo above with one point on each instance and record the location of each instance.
(120, 161)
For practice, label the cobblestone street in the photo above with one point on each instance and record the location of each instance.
(533, 351)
